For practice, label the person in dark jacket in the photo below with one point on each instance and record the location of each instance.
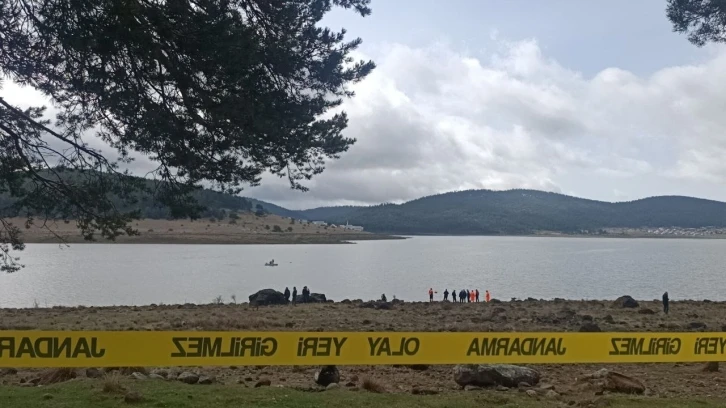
(665, 303)
(294, 295)
(468, 296)
(462, 295)
(446, 295)
(477, 296)
(287, 295)
(306, 294)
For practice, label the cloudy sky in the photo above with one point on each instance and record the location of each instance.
(593, 99)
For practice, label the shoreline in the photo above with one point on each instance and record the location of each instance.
(664, 380)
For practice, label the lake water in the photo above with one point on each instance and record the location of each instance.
(573, 268)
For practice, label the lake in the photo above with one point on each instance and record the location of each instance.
(572, 268)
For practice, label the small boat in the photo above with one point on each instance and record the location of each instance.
(271, 263)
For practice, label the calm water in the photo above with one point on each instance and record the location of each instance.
(574, 268)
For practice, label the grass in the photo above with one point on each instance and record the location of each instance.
(90, 393)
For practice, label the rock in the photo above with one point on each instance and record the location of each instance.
(586, 318)
(354, 377)
(93, 373)
(616, 382)
(696, 325)
(154, 376)
(609, 319)
(472, 388)
(423, 391)
(188, 378)
(350, 384)
(8, 371)
(161, 372)
(532, 393)
(524, 385)
(368, 305)
(138, 376)
(646, 311)
(502, 388)
(418, 367)
(552, 394)
(626, 302)
(263, 383)
(590, 327)
(205, 380)
(133, 397)
(47, 396)
(494, 374)
(495, 301)
(384, 305)
(546, 387)
(314, 298)
(327, 375)
(267, 297)
(711, 367)
(332, 386)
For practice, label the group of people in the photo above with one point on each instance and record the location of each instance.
(465, 295)
(305, 295)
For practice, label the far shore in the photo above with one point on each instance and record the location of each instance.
(248, 229)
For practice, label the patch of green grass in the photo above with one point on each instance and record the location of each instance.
(160, 394)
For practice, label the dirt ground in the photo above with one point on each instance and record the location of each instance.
(662, 380)
(247, 229)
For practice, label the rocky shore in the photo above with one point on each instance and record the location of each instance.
(563, 382)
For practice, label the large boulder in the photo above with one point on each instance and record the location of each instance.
(486, 375)
(314, 298)
(626, 302)
(327, 375)
(268, 297)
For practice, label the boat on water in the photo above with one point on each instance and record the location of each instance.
(271, 263)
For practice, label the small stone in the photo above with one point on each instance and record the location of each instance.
(332, 386)
(350, 384)
(133, 397)
(138, 376)
(423, 391)
(547, 387)
(590, 327)
(354, 378)
(711, 367)
(263, 383)
(188, 378)
(161, 372)
(205, 380)
(154, 376)
(472, 388)
(93, 373)
(502, 388)
(524, 385)
(327, 375)
(8, 371)
(552, 394)
(47, 396)
(532, 393)
(249, 379)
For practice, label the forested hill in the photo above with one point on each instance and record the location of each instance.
(522, 212)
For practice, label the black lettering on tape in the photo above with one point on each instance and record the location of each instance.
(639, 346)
(196, 347)
(381, 346)
(50, 347)
(506, 346)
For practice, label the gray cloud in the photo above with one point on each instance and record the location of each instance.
(432, 119)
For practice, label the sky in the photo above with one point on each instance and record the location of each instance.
(593, 99)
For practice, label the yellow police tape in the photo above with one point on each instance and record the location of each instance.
(119, 349)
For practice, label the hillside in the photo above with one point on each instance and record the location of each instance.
(523, 212)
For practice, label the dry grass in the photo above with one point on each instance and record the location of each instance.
(112, 383)
(372, 386)
(57, 375)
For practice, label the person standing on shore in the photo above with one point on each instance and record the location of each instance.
(431, 294)
(477, 296)
(665, 303)
(462, 295)
(446, 295)
(294, 295)
(487, 296)
(306, 294)
(287, 295)
(468, 296)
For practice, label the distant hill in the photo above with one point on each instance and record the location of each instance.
(522, 212)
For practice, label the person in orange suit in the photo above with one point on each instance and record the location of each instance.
(487, 297)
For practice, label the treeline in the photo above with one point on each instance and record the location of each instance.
(523, 212)
(212, 204)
